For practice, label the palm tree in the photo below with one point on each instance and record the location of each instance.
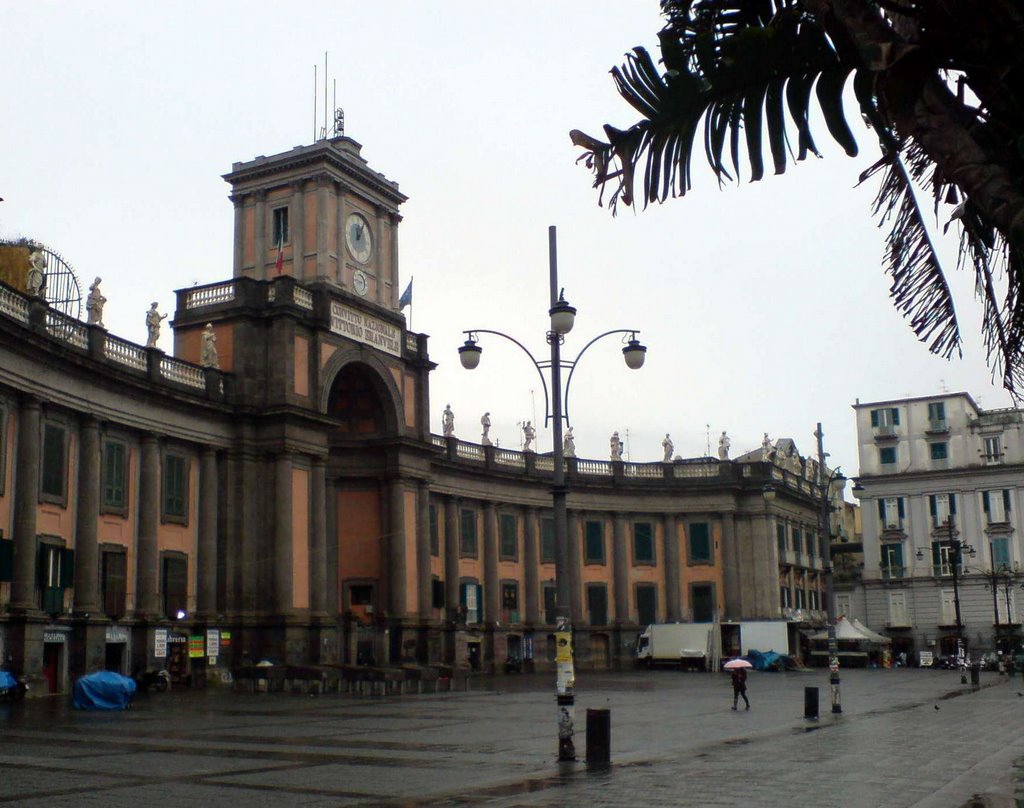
(940, 83)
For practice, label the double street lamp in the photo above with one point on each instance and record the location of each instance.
(957, 549)
(555, 411)
(1005, 576)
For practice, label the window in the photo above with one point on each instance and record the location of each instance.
(547, 541)
(6, 559)
(467, 533)
(115, 475)
(939, 450)
(890, 513)
(360, 595)
(948, 605)
(801, 598)
(175, 585)
(436, 593)
(471, 598)
(593, 543)
(942, 559)
(550, 603)
(996, 505)
(643, 543)
(700, 543)
(597, 604)
(941, 507)
(280, 226)
(843, 605)
(1000, 548)
(508, 549)
(885, 418)
(780, 537)
(55, 574)
(993, 450)
(814, 600)
(898, 609)
(646, 604)
(113, 582)
(702, 600)
(175, 484)
(55, 463)
(798, 540)
(887, 455)
(785, 597)
(510, 601)
(435, 542)
(892, 560)
(936, 411)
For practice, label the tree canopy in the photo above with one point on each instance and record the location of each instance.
(940, 84)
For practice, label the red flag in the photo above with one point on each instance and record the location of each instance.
(280, 257)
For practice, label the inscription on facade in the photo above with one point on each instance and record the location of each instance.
(351, 323)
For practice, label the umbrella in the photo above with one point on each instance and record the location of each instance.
(736, 663)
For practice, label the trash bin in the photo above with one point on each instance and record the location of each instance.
(599, 736)
(811, 703)
(976, 674)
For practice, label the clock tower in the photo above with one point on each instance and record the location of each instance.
(318, 213)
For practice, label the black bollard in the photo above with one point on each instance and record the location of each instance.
(976, 674)
(811, 703)
(599, 736)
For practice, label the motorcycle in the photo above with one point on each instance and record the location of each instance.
(158, 680)
(12, 688)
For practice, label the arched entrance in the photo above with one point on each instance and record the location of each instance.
(355, 402)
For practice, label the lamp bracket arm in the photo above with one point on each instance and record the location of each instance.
(572, 364)
(537, 365)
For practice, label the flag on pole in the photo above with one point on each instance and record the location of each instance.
(406, 298)
(280, 255)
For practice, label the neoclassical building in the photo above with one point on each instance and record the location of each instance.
(272, 490)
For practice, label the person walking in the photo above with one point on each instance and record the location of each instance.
(739, 687)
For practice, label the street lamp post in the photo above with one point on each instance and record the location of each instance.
(1005, 575)
(825, 528)
(555, 411)
(957, 548)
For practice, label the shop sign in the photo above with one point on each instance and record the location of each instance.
(212, 642)
(54, 636)
(160, 643)
(177, 638)
(117, 634)
(225, 639)
(212, 662)
(196, 648)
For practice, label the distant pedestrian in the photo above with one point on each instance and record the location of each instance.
(739, 687)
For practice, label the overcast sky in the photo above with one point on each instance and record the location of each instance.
(764, 306)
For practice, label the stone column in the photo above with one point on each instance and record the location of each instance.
(296, 230)
(259, 236)
(26, 502)
(451, 555)
(531, 564)
(673, 608)
(283, 533)
(239, 252)
(393, 220)
(424, 580)
(206, 563)
(396, 557)
(254, 530)
(147, 558)
(492, 595)
(340, 190)
(733, 594)
(575, 572)
(87, 562)
(620, 567)
(318, 538)
(322, 219)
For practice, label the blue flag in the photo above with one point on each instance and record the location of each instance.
(406, 298)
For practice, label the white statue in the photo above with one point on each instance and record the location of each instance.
(208, 352)
(529, 433)
(723, 446)
(667, 447)
(485, 422)
(766, 447)
(569, 444)
(616, 446)
(153, 318)
(36, 279)
(94, 304)
(795, 465)
(448, 421)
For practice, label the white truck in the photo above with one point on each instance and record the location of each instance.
(683, 644)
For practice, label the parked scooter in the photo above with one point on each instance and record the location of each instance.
(157, 680)
(12, 688)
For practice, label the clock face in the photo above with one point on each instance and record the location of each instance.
(359, 282)
(358, 238)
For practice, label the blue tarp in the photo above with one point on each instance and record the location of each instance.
(7, 680)
(766, 660)
(103, 690)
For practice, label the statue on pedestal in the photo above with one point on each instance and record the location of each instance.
(448, 421)
(667, 448)
(569, 444)
(35, 282)
(529, 433)
(766, 448)
(723, 446)
(616, 446)
(208, 352)
(485, 422)
(94, 304)
(153, 318)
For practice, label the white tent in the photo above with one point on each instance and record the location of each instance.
(874, 636)
(855, 631)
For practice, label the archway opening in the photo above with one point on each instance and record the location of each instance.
(355, 402)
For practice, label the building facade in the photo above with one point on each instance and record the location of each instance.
(940, 489)
(273, 489)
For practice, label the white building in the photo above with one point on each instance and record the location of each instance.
(937, 473)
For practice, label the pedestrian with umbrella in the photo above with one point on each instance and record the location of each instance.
(738, 668)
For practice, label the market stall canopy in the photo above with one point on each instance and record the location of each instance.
(874, 636)
(851, 631)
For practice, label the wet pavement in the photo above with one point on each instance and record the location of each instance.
(905, 738)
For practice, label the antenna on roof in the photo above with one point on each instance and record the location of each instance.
(314, 102)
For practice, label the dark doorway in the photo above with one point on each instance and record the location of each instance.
(51, 665)
(474, 656)
(114, 657)
(355, 402)
(702, 599)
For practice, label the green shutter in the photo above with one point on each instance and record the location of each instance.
(895, 416)
(700, 541)
(67, 568)
(874, 418)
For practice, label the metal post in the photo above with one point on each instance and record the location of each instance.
(565, 684)
(826, 553)
(957, 547)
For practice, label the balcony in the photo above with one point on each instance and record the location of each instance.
(937, 426)
(893, 573)
(885, 432)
